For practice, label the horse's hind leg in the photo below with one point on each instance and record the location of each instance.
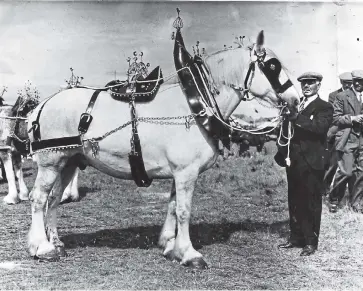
(184, 250)
(18, 167)
(167, 235)
(49, 168)
(53, 201)
(71, 193)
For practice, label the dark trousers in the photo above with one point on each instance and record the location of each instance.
(305, 201)
(350, 170)
(330, 173)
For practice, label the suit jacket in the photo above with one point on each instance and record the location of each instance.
(345, 106)
(333, 95)
(309, 139)
(334, 128)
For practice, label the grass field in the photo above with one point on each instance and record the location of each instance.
(239, 216)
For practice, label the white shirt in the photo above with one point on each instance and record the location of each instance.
(359, 95)
(308, 100)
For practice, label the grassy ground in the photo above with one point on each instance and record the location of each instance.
(239, 216)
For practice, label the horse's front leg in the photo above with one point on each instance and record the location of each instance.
(18, 167)
(183, 249)
(12, 196)
(168, 232)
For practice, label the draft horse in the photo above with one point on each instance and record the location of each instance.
(13, 143)
(170, 151)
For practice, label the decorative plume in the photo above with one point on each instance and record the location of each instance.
(73, 81)
(136, 68)
(239, 41)
(178, 22)
(196, 49)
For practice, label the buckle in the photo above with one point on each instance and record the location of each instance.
(36, 130)
(84, 122)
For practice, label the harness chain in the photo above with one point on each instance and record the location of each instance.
(133, 124)
(188, 122)
(188, 118)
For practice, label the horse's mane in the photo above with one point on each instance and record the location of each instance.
(228, 66)
(16, 106)
(21, 103)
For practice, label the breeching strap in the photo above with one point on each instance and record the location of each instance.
(86, 117)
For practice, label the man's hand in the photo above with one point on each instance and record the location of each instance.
(357, 118)
(291, 117)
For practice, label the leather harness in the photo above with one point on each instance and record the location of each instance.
(135, 156)
(193, 82)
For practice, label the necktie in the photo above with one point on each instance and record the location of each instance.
(302, 104)
(360, 97)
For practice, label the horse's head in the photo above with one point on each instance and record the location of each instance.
(270, 78)
(255, 70)
(23, 106)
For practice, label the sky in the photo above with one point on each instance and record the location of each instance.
(40, 41)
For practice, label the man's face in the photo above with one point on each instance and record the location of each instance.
(346, 84)
(310, 87)
(358, 85)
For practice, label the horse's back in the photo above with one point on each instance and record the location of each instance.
(162, 140)
(62, 112)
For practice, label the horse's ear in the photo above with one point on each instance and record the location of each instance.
(260, 41)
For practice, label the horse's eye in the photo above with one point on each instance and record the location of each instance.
(296, 102)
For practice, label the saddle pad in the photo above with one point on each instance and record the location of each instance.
(142, 90)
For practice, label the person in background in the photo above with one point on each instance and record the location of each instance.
(308, 162)
(349, 145)
(346, 82)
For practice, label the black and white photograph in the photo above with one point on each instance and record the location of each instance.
(181, 145)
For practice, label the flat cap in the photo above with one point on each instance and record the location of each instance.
(346, 76)
(310, 76)
(357, 74)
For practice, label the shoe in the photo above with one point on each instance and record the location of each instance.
(308, 250)
(289, 245)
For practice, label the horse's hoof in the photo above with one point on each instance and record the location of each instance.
(69, 200)
(46, 252)
(162, 243)
(11, 200)
(46, 258)
(170, 256)
(61, 251)
(24, 197)
(196, 263)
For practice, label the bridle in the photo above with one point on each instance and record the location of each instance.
(271, 70)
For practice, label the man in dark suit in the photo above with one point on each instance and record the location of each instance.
(346, 82)
(308, 162)
(349, 144)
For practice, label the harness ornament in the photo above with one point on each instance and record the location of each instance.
(73, 81)
(142, 86)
